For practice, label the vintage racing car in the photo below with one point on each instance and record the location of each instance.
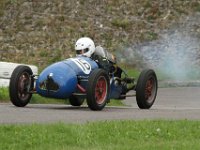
(82, 78)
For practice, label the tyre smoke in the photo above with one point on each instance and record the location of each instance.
(175, 55)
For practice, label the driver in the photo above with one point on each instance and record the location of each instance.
(86, 47)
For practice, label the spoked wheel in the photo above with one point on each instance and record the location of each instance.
(98, 89)
(21, 83)
(146, 89)
(74, 101)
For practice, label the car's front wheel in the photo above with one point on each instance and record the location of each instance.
(98, 89)
(21, 83)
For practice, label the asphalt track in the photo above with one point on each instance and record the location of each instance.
(171, 103)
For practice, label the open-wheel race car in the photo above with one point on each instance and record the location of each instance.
(82, 78)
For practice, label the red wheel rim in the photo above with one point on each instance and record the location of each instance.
(101, 90)
(150, 90)
(24, 86)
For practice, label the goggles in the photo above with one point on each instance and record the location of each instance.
(82, 51)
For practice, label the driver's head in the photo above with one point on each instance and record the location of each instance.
(84, 47)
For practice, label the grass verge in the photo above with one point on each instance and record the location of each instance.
(4, 95)
(148, 135)
(37, 99)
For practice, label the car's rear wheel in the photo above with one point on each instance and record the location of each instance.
(74, 101)
(146, 89)
(98, 89)
(21, 83)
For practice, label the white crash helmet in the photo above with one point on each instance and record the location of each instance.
(84, 47)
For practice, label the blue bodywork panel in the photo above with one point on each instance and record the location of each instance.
(64, 76)
(60, 79)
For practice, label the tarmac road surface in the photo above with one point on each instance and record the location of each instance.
(171, 103)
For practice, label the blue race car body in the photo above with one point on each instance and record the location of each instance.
(62, 79)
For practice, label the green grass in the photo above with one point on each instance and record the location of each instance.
(131, 71)
(37, 99)
(116, 135)
(4, 96)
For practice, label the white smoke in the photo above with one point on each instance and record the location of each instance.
(175, 55)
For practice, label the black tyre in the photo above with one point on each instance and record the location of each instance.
(21, 83)
(98, 89)
(146, 89)
(74, 101)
